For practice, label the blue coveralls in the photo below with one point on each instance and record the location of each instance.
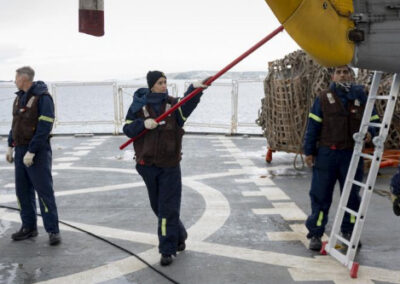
(395, 183)
(38, 176)
(164, 185)
(330, 165)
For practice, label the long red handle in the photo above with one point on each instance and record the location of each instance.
(208, 82)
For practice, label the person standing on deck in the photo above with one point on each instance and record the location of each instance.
(158, 155)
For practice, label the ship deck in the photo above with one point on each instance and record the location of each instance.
(245, 220)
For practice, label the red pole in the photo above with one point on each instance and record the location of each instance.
(208, 83)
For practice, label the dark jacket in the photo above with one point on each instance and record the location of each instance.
(167, 149)
(317, 119)
(44, 117)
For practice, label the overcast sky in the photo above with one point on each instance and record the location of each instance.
(172, 36)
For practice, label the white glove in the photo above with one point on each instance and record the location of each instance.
(28, 159)
(150, 123)
(199, 84)
(9, 154)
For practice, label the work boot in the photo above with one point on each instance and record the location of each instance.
(396, 205)
(54, 239)
(181, 246)
(315, 243)
(166, 259)
(24, 233)
(347, 236)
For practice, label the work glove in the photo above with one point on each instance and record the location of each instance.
(150, 123)
(9, 154)
(368, 137)
(310, 160)
(28, 159)
(201, 84)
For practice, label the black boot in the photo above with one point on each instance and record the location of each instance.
(315, 243)
(181, 246)
(166, 259)
(396, 205)
(24, 233)
(54, 239)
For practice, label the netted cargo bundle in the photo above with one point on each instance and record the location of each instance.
(365, 78)
(290, 88)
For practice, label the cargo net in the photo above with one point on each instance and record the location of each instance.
(365, 78)
(290, 89)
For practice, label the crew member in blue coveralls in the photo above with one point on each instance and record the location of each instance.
(33, 117)
(158, 155)
(335, 116)
(395, 187)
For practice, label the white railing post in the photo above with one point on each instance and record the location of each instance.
(234, 106)
(116, 110)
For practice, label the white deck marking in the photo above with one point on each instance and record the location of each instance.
(9, 185)
(217, 210)
(257, 181)
(338, 278)
(78, 153)
(92, 143)
(324, 268)
(63, 165)
(298, 233)
(288, 210)
(301, 267)
(271, 193)
(66, 159)
(84, 148)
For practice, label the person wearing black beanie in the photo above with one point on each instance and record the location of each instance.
(158, 155)
(153, 76)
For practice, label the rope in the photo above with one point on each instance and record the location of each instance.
(110, 243)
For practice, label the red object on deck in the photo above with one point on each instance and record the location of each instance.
(208, 83)
(354, 270)
(323, 250)
(390, 158)
(91, 17)
(268, 157)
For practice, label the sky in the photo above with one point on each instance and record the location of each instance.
(172, 36)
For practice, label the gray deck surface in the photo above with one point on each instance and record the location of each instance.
(245, 220)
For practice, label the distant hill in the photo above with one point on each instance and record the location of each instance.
(191, 75)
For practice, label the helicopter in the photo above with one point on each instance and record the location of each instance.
(362, 33)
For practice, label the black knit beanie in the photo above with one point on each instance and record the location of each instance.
(153, 76)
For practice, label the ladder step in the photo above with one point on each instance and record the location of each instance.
(380, 98)
(339, 256)
(373, 124)
(366, 156)
(358, 183)
(343, 240)
(352, 212)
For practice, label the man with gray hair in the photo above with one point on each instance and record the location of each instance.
(33, 117)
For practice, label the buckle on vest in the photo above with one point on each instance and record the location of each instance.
(21, 110)
(333, 147)
(141, 162)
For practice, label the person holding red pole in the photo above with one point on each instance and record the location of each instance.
(158, 155)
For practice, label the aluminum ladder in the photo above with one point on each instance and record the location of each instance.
(332, 246)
